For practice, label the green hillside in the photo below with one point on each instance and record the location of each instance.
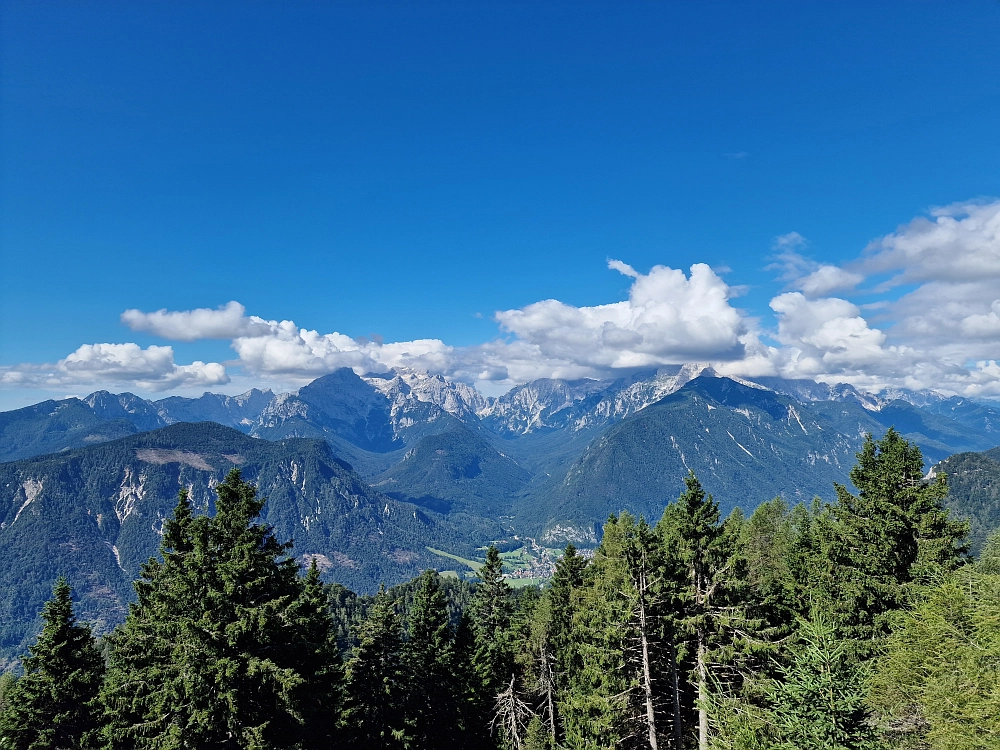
(455, 471)
(94, 515)
(974, 482)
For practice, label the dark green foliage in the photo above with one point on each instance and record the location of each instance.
(616, 611)
(433, 712)
(491, 610)
(568, 577)
(376, 680)
(54, 704)
(896, 530)
(974, 492)
(226, 645)
(321, 693)
(700, 554)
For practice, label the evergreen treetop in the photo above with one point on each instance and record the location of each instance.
(53, 705)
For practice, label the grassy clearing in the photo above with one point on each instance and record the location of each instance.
(468, 563)
(520, 583)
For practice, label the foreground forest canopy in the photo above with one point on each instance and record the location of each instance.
(857, 624)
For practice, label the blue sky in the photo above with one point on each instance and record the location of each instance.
(404, 171)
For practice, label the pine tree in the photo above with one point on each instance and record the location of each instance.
(894, 532)
(819, 699)
(225, 647)
(491, 610)
(700, 552)
(375, 680)
(54, 704)
(432, 705)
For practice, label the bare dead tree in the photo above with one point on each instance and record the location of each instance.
(511, 716)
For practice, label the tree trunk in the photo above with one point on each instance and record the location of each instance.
(702, 694)
(548, 682)
(646, 671)
(678, 729)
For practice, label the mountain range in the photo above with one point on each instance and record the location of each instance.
(371, 473)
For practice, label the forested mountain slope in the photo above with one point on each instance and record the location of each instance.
(974, 484)
(550, 453)
(95, 514)
(747, 444)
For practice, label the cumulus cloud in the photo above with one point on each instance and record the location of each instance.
(225, 322)
(807, 276)
(958, 243)
(847, 322)
(668, 318)
(829, 336)
(150, 369)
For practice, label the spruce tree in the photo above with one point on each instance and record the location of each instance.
(567, 578)
(432, 703)
(895, 531)
(491, 611)
(819, 699)
(699, 552)
(54, 704)
(226, 647)
(321, 692)
(376, 683)
(614, 691)
(537, 736)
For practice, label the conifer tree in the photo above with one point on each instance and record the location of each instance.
(699, 551)
(819, 700)
(491, 611)
(611, 694)
(54, 704)
(896, 530)
(537, 737)
(224, 647)
(321, 693)
(375, 680)
(937, 682)
(989, 557)
(432, 705)
(567, 578)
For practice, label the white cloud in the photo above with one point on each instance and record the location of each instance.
(842, 322)
(807, 276)
(790, 241)
(826, 279)
(830, 337)
(668, 318)
(623, 268)
(225, 322)
(151, 369)
(959, 243)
